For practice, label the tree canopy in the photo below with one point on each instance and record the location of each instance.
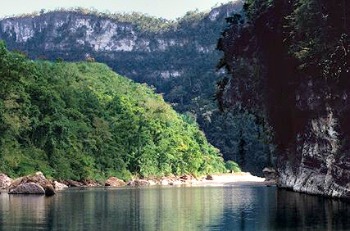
(83, 121)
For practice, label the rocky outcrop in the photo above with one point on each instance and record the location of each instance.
(114, 182)
(36, 184)
(270, 174)
(305, 101)
(321, 164)
(5, 181)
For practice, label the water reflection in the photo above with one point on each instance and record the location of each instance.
(179, 208)
(302, 212)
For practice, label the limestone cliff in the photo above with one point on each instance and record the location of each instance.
(300, 90)
(317, 160)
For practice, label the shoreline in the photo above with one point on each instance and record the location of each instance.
(214, 180)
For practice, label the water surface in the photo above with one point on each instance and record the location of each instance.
(173, 208)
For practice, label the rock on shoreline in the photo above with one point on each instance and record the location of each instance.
(38, 184)
(114, 182)
(5, 181)
(32, 184)
(27, 188)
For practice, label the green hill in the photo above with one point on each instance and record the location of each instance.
(83, 121)
(177, 57)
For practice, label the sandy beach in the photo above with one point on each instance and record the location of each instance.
(242, 178)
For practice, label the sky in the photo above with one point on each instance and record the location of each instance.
(169, 9)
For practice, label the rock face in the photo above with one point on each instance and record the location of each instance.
(320, 163)
(5, 181)
(270, 174)
(308, 111)
(114, 182)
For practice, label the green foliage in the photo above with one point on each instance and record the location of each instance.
(184, 71)
(83, 121)
(232, 166)
(319, 37)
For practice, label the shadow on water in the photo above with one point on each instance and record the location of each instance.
(297, 211)
(174, 208)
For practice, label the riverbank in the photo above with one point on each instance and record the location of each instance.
(242, 178)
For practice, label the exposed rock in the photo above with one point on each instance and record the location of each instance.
(27, 188)
(164, 182)
(27, 184)
(321, 166)
(186, 177)
(270, 174)
(59, 186)
(73, 183)
(91, 183)
(114, 182)
(5, 181)
(49, 190)
(39, 178)
(308, 111)
(152, 182)
(16, 182)
(138, 183)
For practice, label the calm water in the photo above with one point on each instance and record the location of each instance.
(173, 208)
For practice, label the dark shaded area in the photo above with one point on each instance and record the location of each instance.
(297, 55)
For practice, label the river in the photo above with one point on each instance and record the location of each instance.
(173, 208)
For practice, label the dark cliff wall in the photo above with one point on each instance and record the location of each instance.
(296, 54)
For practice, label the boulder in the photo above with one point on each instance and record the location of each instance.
(186, 177)
(27, 184)
(49, 190)
(27, 188)
(152, 182)
(90, 183)
(5, 181)
(73, 183)
(59, 186)
(164, 182)
(138, 183)
(114, 182)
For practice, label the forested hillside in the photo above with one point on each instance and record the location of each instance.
(177, 57)
(289, 63)
(83, 121)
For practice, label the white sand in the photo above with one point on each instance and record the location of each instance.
(232, 179)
